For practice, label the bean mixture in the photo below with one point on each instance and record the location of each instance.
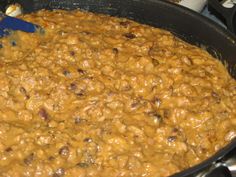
(99, 96)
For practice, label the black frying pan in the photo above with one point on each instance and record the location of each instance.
(186, 24)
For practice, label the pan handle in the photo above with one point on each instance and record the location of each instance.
(224, 167)
(225, 12)
(231, 165)
(229, 14)
(218, 170)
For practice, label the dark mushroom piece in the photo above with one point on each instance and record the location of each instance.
(81, 71)
(9, 149)
(51, 158)
(64, 151)
(115, 51)
(59, 172)
(43, 114)
(72, 53)
(130, 35)
(73, 86)
(82, 165)
(216, 96)
(80, 93)
(85, 32)
(157, 118)
(175, 130)
(29, 159)
(24, 92)
(125, 24)
(157, 102)
(166, 113)
(79, 120)
(155, 62)
(13, 43)
(66, 73)
(88, 140)
(171, 139)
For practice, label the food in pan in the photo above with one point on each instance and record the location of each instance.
(94, 95)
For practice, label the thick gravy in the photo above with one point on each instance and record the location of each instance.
(98, 96)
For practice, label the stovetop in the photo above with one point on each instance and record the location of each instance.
(208, 14)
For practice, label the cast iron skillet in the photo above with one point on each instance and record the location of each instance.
(186, 24)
